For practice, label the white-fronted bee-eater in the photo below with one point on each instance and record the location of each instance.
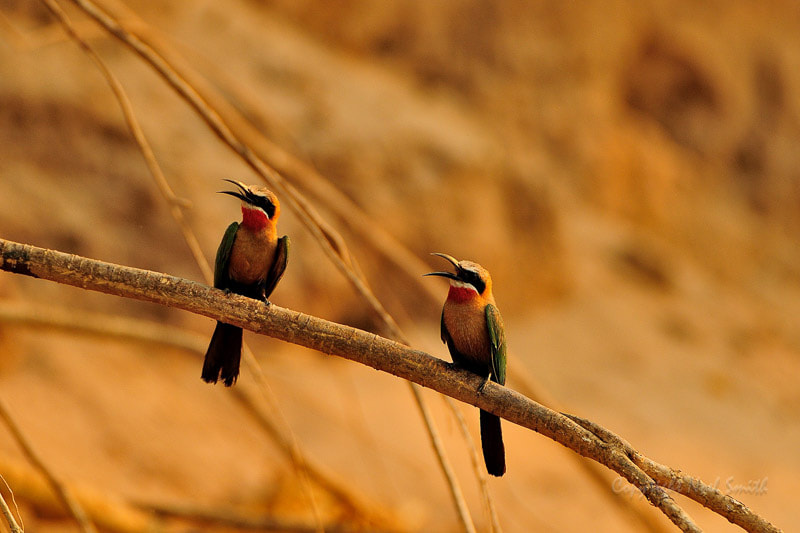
(472, 329)
(250, 261)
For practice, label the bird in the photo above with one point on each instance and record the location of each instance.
(472, 329)
(250, 261)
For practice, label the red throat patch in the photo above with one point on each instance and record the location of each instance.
(253, 219)
(461, 294)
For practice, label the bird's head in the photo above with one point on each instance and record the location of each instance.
(470, 279)
(259, 204)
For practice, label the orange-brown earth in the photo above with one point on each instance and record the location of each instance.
(628, 171)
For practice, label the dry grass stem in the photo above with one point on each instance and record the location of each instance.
(107, 510)
(436, 442)
(477, 465)
(63, 492)
(12, 522)
(581, 436)
(175, 203)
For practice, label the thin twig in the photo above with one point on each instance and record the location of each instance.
(344, 496)
(365, 348)
(477, 463)
(64, 494)
(110, 512)
(458, 498)
(12, 522)
(285, 438)
(174, 203)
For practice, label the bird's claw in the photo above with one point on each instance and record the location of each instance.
(483, 384)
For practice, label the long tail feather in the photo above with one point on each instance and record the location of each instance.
(223, 355)
(494, 452)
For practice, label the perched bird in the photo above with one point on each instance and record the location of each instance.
(250, 261)
(473, 331)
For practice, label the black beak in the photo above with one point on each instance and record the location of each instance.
(448, 275)
(241, 194)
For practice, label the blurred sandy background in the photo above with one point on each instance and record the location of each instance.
(628, 171)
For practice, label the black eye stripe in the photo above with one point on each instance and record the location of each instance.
(264, 203)
(473, 278)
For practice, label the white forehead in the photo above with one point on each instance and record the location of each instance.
(258, 191)
(472, 267)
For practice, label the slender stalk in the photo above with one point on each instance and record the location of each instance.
(436, 442)
(477, 465)
(12, 522)
(61, 490)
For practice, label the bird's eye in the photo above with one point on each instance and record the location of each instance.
(264, 203)
(474, 279)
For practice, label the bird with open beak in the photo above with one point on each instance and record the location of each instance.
(472, 329)
(250, 261)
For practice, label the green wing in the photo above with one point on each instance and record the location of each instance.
(221, 280)
(498, 337)
(278, 266)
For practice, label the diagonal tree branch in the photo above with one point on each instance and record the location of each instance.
(579, 435)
